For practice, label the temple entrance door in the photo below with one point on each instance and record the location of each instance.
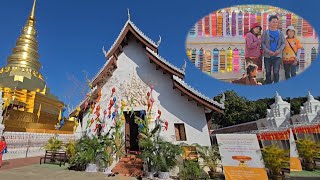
(131, 132)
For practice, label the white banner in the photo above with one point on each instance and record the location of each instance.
(293, 147)
(232, 146)
(295, 164)
(241, 157)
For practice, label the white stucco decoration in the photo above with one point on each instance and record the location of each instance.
(135, 89)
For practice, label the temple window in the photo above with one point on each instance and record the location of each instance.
(180, 132)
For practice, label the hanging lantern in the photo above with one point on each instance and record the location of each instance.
(86, 105)
(123, 103)
(166, 124)
(91, 122)
(98, 108)
(98, 114)
(159, 114)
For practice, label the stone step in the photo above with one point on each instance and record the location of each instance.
(129, 165)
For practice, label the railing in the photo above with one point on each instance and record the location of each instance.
(24, 144)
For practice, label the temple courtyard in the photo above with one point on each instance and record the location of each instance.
(29, 168)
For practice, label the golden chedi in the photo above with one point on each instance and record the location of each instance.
(29, 106)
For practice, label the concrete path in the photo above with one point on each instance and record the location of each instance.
(16, 163)
(30, 169)
(53, 172)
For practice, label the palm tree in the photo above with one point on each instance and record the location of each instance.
(275, 159)
(211, 158)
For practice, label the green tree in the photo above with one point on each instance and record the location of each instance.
(296, 104)
(240, 110)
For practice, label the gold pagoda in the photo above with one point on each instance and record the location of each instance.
(28, 104)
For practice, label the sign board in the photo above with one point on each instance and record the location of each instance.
(241, 157)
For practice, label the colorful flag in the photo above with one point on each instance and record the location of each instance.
(38, 114)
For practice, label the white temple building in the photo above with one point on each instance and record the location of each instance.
(134, 71)
(310, 111)
(279, 114)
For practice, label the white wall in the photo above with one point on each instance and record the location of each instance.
(174, 107)
(25, 144)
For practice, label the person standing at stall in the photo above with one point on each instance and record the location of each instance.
(273, 43)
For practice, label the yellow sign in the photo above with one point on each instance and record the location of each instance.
(244, 173)
(295, 164)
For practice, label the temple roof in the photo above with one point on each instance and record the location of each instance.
(175, 70)
(151, 49)
(104, 67)
(176, 73)
(209, 103)
(129, 25)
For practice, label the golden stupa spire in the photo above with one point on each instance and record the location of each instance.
(33, 9)
(25, 54)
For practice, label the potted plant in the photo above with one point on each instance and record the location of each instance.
(191, 170)
(308, 150)
(91, 154)
(147, 144)
(70, 148)
(148, 155)
(210, 156)
(53, 144)
(166, 157)
(275, 159)
(116, 149)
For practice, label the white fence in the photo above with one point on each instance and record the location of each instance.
(24, 144)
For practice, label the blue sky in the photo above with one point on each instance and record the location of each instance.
(71, 34)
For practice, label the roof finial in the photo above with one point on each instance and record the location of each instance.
(129, 18)
(104, 52)
(278, 98)
(310, 97)
(159, 41)
(223, 98)
(184, 66)
(33, 9)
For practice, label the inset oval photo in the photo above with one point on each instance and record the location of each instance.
(252, 44)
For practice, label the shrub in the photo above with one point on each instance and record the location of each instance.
(275, 159)
(190, 171)
(53, 144)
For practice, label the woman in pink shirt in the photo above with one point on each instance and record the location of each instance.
(253, 43)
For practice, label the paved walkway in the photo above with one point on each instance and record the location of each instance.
(16, 163)
(30, 169)
(53, 172)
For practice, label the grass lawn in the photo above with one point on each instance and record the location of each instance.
(315, 173)
(53, 172)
